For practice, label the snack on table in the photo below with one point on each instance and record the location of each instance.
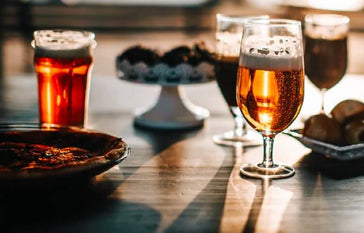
(139, 53)
(177, 55)
(345, 127)
(354, 132)
(346, 109)
(323, 128)
(33, 152)
(179, 65)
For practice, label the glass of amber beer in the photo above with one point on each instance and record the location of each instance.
(63, 63)
(270, 85)
(326, 52)
(229, 29)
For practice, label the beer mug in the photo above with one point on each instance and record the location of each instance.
(63, 62)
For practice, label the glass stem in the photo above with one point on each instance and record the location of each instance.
(240, 125)
(323, 91)
(267, 152)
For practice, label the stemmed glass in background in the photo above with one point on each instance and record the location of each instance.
(325, 50)
(228, 36)
(270, 85)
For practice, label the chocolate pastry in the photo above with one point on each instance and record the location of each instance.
(177, 56)
(139, 54)
(201, 54)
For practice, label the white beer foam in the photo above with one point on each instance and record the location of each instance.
(280, 53)
(228, 43)
(63, 44)
(328, 33)
(327, 26)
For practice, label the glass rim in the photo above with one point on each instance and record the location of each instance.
(273, 22)
(238, 18)
(314, 19)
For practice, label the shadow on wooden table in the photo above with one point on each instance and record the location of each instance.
(210, 207)
(331, 168)
(162, 139)
(74, 209)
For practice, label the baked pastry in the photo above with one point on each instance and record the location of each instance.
(323, 128)
(62, 150)
(354, 132)
(139, 53)
(180, 65)
(345, 127)
(177, 56)
(346, 109)
(201, 54)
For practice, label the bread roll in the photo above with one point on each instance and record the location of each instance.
(346, 109)
(354, 131)
(323, 128)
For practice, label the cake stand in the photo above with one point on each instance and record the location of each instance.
(172, 111)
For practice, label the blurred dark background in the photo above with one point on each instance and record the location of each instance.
(156, 23)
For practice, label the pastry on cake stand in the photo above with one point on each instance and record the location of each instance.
(180, 66)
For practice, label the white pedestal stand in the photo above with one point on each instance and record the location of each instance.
(173, 111)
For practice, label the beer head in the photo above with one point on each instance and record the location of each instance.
(326, 26)
(272, 44)
(229, 29)
(279, 53)
(63, 43)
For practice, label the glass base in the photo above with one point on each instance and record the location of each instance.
(230, 139)
(278, 171)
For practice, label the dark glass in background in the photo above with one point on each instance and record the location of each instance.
(326, 53)
(229, 30)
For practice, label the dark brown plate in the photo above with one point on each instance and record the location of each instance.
(102, 151)
(349, 152)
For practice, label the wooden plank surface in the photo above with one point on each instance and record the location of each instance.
(183, 182)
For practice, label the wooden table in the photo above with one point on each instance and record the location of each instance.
(183, 182)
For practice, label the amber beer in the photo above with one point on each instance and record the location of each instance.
(63, 72)
(270, 97)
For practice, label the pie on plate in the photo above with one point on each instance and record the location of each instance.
(40, 154)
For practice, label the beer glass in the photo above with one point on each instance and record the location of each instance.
(325, 50)
(63, 63)
(270, 85)
(229, 29)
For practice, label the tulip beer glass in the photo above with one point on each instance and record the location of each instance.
(228, 35)
(63, 63)
(326, 50)
(270, 85)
